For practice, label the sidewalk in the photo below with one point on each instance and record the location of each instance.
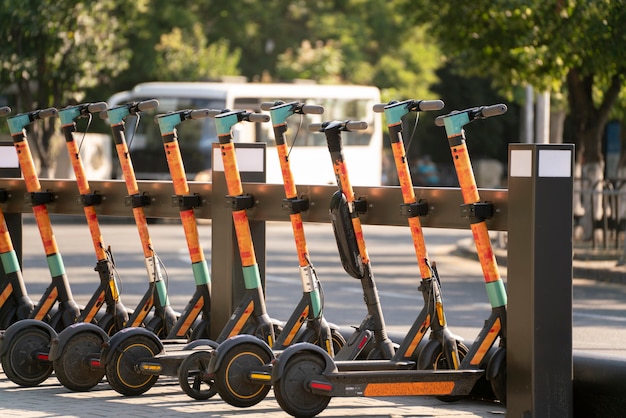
(588, 263)
(167, 399)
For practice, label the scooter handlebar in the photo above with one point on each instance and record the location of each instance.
(494, 110)
(46, 113)
(356, 125)
(258, 117)
(350, 125)
(412, 105)
(481, 112)
(203, 113)
(429, 105)
(5, 110)
(268, 105)
(97, 107)
(312, 109)
(147, 105)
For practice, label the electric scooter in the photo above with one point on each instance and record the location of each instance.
(305, 378)
(133, 354)
(24, 346)
(240, 378)
(443, 350)
(477, 213)
(69, 367)
(15, 304)
(84, 361)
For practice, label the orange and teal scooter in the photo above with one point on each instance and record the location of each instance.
(482, 353)
(305, 378)
(25, 345)
(15, 304)
(236, 362)
(135, 358)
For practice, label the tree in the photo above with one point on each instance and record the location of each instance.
(553, 45)
(185, 55)
(53, 50)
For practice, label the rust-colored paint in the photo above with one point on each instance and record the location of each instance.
(193, 314)
(45, 229)
(190, 227)
(485, 252)
(463, 167)
(5, 238)
(95, 308)
(409, 388)
(177, 170)
(487, 343)
(283, 157)
(231, 171)
(144, 234)
(358, 232)
(145, 309)
(4, 296)
(47, 305)
(298, 233)
(28, 167)
(242, 320)
(244, 238)
(94, 230)
(292, 332)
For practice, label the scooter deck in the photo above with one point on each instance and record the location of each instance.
(372, 383)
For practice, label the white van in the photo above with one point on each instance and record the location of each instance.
(309, 155)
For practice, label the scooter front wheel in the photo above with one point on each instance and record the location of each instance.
(438, 361)
(73, 367)
(290, 390)
(193, 375)
(122, 370)
(232, 380)
(20, 362)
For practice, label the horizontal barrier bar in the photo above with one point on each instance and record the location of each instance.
(383, 203)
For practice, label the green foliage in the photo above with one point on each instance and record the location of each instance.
(55, 49)
(567, 44)
(185, 55)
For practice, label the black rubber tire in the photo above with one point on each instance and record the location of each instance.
(72, 368)
(231, 378)
(108, 325)
(121, 370)
(290, 390)
(19, 362)
(498, 383)
(192, 376)
(337, 339)
(439, 362)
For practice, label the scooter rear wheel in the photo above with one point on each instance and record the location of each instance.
(20, 362)
(290, 390)
(193, 374)
(73, 368)
(122, 369)
(231, 378)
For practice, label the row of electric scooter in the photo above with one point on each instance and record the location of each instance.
(305, 359)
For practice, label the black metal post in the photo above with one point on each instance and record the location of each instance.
(539, 346)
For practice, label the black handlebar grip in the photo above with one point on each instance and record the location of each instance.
(312, 109)
(379, 107)
(147, 105)
(46, 113)
(494, 110)
(202, 113)
(356, 125)
(439, 121)
(267, 105)
(315, 127)
(5, 110)
(97, 107)
(258, 117)
(427, 105)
